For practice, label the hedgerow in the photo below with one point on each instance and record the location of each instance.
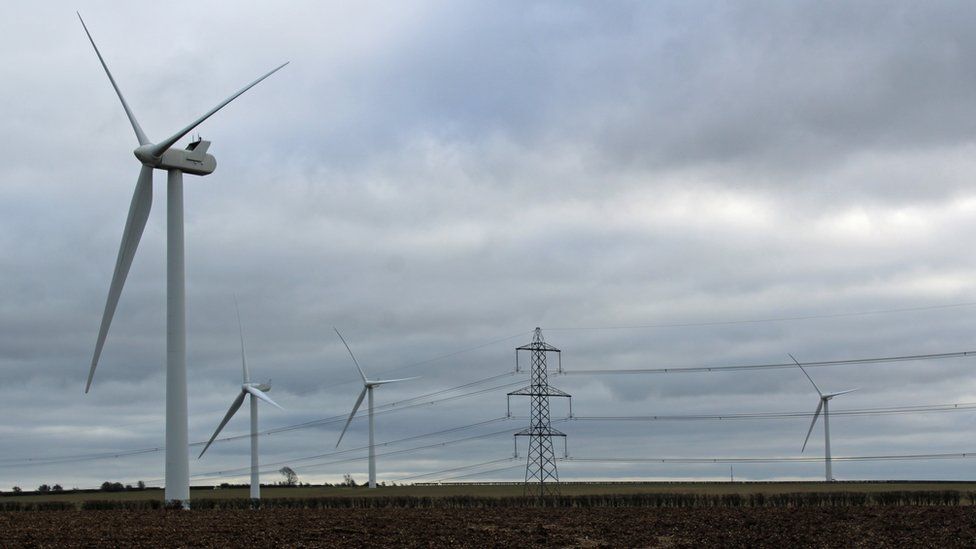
(657, 500)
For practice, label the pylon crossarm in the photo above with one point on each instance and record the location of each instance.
(543, 347)
(539, 391)
(546, 432)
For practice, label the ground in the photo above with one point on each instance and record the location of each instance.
(806, 525)
(876, 527)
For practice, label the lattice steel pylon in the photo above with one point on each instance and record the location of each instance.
(541, 475)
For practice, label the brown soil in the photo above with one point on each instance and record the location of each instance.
(565, 527)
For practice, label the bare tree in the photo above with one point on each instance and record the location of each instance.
(291, 477)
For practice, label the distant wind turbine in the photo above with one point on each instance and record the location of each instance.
(256, 391)
(825, 406)
(368, 385)
(163, 156)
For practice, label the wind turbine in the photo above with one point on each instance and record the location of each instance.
(368, 385)
(161, 156)
(825, 406)
(256, 391)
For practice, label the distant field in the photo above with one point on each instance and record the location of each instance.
(503, 490)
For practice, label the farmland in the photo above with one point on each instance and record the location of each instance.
(678, 514)
(936, 526)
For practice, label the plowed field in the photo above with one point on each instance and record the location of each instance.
(562, 527)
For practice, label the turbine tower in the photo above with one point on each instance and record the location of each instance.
(161, 156)
(368, 385)
(541, 475)
(825, 406)
(256, 391)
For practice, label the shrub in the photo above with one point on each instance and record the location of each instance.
(112, 487)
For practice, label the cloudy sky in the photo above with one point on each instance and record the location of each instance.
(667, 184)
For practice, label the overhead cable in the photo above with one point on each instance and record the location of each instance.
(774, 365)
(763, 320)
(797, 459)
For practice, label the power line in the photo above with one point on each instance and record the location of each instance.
(336, 419)
(775, 365)
(765, 320)
(413, 403)
(222, 474)
(79, 458)
(958, 407)
(384, 409)
(916, 457)
(449, 390)
(802, 459)
(405, 367)
(735, 416)
(479, 473)
(243, 470)
(398, 405)
(798, 459)
(461, 468)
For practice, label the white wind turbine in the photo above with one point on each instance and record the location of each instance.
(825, 406)
(256, 391)
(368, 385)
(194, 160)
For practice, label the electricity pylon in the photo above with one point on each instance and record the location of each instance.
(541, 475)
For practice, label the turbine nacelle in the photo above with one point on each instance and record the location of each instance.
(263, 387)
(193, 159)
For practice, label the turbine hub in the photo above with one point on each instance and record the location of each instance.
(144, 154)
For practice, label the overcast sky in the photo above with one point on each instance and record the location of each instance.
(434, 177)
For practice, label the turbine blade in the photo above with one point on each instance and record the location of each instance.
(260, 394)
(140, 135)
(359, 401)
(230, 413)
(240, 326)
(134, 225)
(356, 362)
(159, 148)
(385, 381)
(832, 395)
(819, 392)
(812, 423)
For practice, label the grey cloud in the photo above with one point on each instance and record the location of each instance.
(432, 178)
